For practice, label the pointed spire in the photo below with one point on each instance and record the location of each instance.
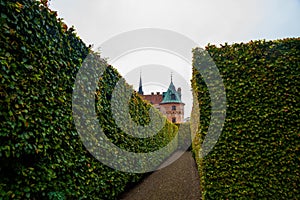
(171, 86)
(141, 85)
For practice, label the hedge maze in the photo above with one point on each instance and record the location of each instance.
(257, 154)
(43, 157)
(41, 153)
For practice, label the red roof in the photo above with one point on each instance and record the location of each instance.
(153, 98)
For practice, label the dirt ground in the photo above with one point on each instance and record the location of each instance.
(179, 180)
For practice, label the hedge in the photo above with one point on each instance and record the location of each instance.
(41, 153)
(184, 136)
(257, 154)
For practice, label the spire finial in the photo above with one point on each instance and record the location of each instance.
(171, 76)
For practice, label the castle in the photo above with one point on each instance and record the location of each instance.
(168, 103)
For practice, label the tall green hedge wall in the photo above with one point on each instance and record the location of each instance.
(257, 154)
(41, 154)
(184, 136)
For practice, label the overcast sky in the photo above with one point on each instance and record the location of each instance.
(203, 21)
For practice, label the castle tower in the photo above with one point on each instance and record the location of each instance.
(168, 103)
(171, 106)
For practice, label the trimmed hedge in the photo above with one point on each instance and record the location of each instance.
(184, 136)
(42, 156)
(257, 154)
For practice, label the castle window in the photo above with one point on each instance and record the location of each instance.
(173, 107)
(172, 96)
(174, 120)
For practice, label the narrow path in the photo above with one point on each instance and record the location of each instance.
(179, 180)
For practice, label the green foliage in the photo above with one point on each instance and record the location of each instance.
(184, 136)
(42, 156)
(256, 156)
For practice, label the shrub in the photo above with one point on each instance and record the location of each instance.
(42, 156)
(257, 153)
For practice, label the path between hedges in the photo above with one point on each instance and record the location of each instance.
(180, 180)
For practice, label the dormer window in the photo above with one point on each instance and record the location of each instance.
(172, 96)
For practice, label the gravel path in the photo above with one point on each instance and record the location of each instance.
(179, 180)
